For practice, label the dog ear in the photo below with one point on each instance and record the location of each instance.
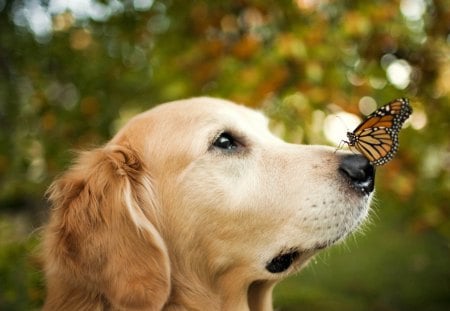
(102, 246)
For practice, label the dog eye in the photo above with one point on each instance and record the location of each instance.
(225, 141)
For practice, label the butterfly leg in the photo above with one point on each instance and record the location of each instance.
(343, 142)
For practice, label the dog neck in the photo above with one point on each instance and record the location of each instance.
(226, 291)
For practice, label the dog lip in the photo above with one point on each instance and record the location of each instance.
(366, 186)
(363, 187)
(322, 245)
(285, 259)
(282, 262)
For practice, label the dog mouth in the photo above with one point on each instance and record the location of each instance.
(324, 232)
(285, 259)
(288, 258)
(282, 262)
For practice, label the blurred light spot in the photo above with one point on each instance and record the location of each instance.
(66, 95)
(418, 119)
(158, 23)
(386, 60)
(80, 39)
(70, 96)
(434, 161)
(39, 20)
(377, 83)
(142, 5)
(416, 26)
(137, 58)
(229, 24)
(37, 168)
(442, 83)
(355, 23)
(53, 90)
(338, 124)
(307, 5)
(35, 149)
(314, 71)
(354, 79)
(251, 19)
(63, 22)
(37, 15)
(83, 9)
(367, 105)
(318, 119)
(33, 15)
(399, 73)
(298, 101)
(291, 46)
(413, 9)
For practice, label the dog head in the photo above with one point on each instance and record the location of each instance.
(228, 207)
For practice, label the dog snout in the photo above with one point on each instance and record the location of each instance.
(359, 172)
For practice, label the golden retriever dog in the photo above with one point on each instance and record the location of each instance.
(195, 205)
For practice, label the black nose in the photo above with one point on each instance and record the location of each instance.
(358, 171)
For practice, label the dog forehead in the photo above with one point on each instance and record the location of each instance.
(221, 111)
(224, 116)
(236, 117)
(202, 113)
(201, 117)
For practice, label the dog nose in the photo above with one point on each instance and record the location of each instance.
(358, 170)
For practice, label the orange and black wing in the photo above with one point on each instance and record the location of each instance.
(377, 144)
(377, 136)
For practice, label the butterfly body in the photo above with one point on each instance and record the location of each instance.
(377, 136)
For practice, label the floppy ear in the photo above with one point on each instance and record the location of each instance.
(101, 246)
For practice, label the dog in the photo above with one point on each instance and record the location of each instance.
(195, 205)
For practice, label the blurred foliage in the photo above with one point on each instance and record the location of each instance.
(71, 72)
(21, 286)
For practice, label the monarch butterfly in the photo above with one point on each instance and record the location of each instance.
(377, 136)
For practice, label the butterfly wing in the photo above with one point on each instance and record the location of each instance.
(377, 144)
(393, 114)
(377, 136)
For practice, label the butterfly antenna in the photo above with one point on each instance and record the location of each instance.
(343, 142)
(342, 121)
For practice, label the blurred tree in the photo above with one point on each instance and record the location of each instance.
(71, 72)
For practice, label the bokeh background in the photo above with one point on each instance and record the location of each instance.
(73, 71)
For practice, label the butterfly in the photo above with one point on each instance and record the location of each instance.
(376, 137)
